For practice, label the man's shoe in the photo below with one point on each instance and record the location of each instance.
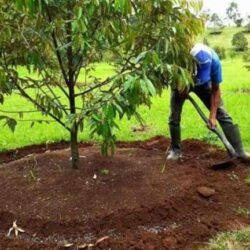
(244, 157)
(174, 155)
(232, 132)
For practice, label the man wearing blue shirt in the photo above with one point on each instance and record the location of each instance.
(207, 78)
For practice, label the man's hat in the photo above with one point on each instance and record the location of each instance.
(202, 54)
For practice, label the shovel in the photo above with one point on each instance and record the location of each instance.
(230, 150)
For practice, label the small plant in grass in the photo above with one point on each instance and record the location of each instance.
(246, 59)
(32, 175)
(232, 54)
(247, 180)
(239, 240)
(57, 40)
(243, 211)
(104, 172)
(209, 137)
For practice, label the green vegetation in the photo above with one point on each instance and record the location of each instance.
(247, 181)
(235, 95)
(224, 39)
(239, 240)
(244, 212)
(58, 39)
(221, 52)
(235, 90)
(239, 42)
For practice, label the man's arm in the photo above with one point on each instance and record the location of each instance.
(215, 102)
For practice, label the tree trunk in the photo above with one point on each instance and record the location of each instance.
(74, 131)
(74, 147)
(71, 86)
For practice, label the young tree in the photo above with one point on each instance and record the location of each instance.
(247, 27)
(60, 39)
(234, 14)
(216, 23)
(239, 42)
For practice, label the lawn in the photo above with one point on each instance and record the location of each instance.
(236, 78)
(224, 39)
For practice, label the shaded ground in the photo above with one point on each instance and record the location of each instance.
(130, 199)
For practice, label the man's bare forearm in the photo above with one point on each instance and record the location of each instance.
(215, 102)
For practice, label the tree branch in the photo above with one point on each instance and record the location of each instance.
(56, 46)
(107, 81)
(27, 96)
(101, 84)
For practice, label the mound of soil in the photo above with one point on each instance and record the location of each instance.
(134, 200)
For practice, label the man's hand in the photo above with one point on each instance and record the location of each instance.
(212, 123)
(215, 102)
(184, 93)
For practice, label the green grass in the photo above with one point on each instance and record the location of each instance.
(236, 78)
(224, 39)
(243, 211)
(238, 240)
(247, 180)
(237, 103)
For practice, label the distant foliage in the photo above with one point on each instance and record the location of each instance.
(216, 24)
(246, 56)
(58, 39)
(205, 41)
(247, 28)
(239, 42)
(246, 59)
(232, 54)
(221, 51)
(216, 32)
(234, 14)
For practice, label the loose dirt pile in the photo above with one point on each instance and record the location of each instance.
(133, 199)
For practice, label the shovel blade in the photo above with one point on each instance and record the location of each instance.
(223, 165)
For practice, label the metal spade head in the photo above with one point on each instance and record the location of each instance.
(224, 165)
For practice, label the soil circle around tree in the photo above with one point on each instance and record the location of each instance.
(134, 200)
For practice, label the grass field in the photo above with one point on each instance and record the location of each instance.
(236, 79)
(224, 39)
(236, 95)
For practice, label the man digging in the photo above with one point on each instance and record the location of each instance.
(207, 78)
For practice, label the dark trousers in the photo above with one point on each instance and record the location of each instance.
(176, 103)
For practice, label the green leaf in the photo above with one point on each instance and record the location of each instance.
(11, 123)
(1, 99)
(140, 57)
(150, 87)
(129, 82)
(2, 117)
(104, 171)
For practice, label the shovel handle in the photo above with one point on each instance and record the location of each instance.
(221, 136)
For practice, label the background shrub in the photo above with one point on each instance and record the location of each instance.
(232, 54)
(246, 59)
(205, 41)
(247, 28)
(239, 42)
(221, 51)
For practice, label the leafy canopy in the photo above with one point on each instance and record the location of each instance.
(57, 40)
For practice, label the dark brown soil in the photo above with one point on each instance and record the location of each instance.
(128, 198)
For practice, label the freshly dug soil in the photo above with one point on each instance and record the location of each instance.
(134, 199)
